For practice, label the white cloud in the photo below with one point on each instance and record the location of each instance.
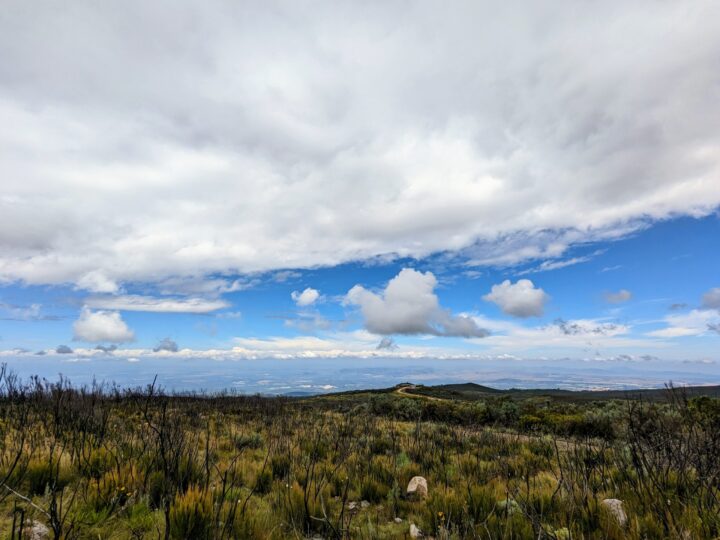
(557, 264)
(573, 338)
(96, 281)
(694, 323)
(521, 299)
(274, 137)
(711, 299)
(101, 327)
(623, 295)
(305, 298)
(191, 285)
(409, 305)
(154, 304)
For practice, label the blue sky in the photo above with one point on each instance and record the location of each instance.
(531, 188)
(633, 298)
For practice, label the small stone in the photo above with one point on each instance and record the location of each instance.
(398, 520)
(415, 532)
(614, 507)
(417, 488)
(352, 505)
(364, 504)
(37, 531)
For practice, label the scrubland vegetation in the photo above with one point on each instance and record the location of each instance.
(99, 462)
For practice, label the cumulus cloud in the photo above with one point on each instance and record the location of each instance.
(305, 298)
(101, 327)
(521, 299)
(62, 349)
(106, 348)
(166, 344)
(156, 305)
(623, 295)
(305, 145)
(711, 299)
(409, 305)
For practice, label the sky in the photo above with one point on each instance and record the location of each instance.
(353, 194)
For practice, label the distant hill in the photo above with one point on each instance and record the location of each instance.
(473, 391)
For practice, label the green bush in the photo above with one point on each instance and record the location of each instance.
(191, 516)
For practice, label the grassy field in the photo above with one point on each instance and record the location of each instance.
(93, 463)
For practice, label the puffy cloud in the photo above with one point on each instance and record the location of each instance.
(409, 305)
(106, 348)
(521, 299)
(623, 295)
(101, 326)
(305, 298)
(711, 299)
(305, 145)
(167, 345)
(63, 349)
(156, 305)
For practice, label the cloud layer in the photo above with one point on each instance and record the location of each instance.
(156, 305)
(151, 141)
(409, 305)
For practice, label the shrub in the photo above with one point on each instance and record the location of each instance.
(263, 482)
(251, 441)
(280, 465)
(191, 516)
(373, 491)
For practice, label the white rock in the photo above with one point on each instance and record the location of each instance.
(37, 531)
(415, 532)
(398, 520)
(615, 509)
(364, 504)
(417, 488)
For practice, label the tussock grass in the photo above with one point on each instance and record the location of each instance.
(98, 462)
